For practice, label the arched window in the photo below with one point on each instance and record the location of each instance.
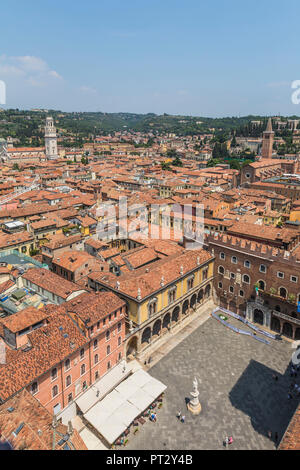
(247, 264)
(246, 279)
(96, 359)
(234, 259)
(68, 381)
(67, 364)
(283, 292)
(82, 369)
(95, 344)
(261, 285)
(221, 270)
(54, 391)
(54, 374)
(82, 353)
(222, 256)
(107, 335)
(108, 350)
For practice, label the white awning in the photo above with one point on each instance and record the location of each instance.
(114, 414)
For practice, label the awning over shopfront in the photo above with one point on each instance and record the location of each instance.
(113, 415)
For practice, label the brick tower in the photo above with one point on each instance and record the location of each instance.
(268, 140)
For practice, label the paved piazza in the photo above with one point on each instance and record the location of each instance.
(238, 394)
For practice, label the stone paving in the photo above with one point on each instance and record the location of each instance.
(238, 394)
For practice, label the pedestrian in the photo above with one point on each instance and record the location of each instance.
(270, 434)
(183, 419)
(276, 436)
(178, 415)
(226, 442)
(290, 396)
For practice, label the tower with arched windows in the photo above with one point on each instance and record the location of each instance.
(50, 139)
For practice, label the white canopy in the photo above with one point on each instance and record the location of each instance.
(112, 415)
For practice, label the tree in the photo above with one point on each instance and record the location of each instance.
(16, 167)
(177, 161)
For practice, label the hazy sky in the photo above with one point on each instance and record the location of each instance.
(199, 57)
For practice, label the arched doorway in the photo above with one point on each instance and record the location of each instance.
(277, 308)
(185, 307)
(258, 317)
(287, 330)
(193, 301)
(262, 285)
(146, 336)
(200, 296)
(156, 328)
(275, 325)
(175, 315)
(166, 321)
(232, 306)
(132, 347)
(207, 291)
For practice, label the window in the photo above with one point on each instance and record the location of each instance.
(95, 344)
(92, 330)
(108, 365)
(172, 295)
(82, 369)
(152, 307)
(70, 397)
(280, 275)
(108, 350)
(34, 388)
(120, 356)
(81, 354)
(54, 374)
(67, 364)
(119, 327)
(54, 391)
(247, 264)
(96, 359)
(116, 314)
(294, 278)
(119, 341)
(220, 285)
(109, 318)
(190, 282)
(221, 270)
(263, 268)
(204, 274)
(234, 259)
(231, 289)
(261, 285)
(222, 256)
(84, 386)
(96, 375)
(241, 293)
(232, 276)
(98, 325)
(246, 279)
(107, 335)
(68, 381)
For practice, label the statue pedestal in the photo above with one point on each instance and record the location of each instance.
(194, 406)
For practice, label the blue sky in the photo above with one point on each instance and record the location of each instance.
(193, 57)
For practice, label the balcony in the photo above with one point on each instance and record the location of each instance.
(288, 318)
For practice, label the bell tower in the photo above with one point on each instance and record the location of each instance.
(50, 139)
(268, 140)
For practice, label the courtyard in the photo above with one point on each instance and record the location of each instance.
(238, 393)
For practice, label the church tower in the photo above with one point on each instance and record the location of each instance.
(268, 140)
(50, 139)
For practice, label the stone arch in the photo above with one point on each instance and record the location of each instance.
(200, 296)
(207, 291)
(146, 336)
(185, 307)
(258, 317)
(282, 292)
(232, 306)
(132, 346)
(261, 285)
(287, 330)
(166, 320)
(156, 328)
(193, 301)
(275, 324)
(175, 314)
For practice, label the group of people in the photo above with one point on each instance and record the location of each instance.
(295, 388)
(153, 417)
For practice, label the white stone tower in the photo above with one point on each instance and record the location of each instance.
(50, 139)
